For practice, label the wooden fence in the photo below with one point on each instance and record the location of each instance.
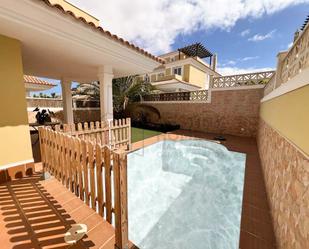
(90, 170)
(116, 134)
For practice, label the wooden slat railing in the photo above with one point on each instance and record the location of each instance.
(116, 134)
(86, 168)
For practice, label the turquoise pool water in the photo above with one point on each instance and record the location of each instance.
(185, 194)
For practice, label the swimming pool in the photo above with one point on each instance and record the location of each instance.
(185, 194)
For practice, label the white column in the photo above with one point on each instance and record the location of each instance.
(67, 101)
(106, 76)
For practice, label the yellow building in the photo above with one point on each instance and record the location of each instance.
(184, 70)
(58, 41)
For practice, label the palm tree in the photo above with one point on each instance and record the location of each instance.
(87, 90)
(127, 90)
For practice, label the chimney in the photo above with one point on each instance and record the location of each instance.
(214, 62)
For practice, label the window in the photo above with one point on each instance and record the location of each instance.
(177, 70)
(160, 75)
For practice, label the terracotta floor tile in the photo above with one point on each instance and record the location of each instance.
(50, 208)
(101, 234)
(92, 221)
(81, 214)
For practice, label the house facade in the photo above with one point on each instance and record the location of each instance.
(186, 69)
(34, 84)
(62, 42)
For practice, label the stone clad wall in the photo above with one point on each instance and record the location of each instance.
(286, 174)
(234, 112)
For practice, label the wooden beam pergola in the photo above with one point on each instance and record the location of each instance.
(196, 49)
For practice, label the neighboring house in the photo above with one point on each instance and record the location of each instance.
(184, 70)
(34, 84)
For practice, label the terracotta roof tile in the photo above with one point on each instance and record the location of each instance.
(104, 32)
(35, 80)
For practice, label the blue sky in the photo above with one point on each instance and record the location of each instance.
(246, 34)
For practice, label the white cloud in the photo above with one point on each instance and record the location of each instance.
(245, 32)
(155, 24)
(259, 37)
(234, 62)
(290, 45)
(237, 70)
(230, 62)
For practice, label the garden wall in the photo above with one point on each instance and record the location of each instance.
(234, 112)
(286, 175)
(283, 141)
(80, 115)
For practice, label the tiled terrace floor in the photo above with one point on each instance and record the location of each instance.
(256, 226)
(36, 214)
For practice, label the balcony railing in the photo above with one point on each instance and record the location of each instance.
(249, 79)
(194, 96)
(270, 86)
(297, 57)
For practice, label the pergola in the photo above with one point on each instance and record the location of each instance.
(196, 50)
(58, 45)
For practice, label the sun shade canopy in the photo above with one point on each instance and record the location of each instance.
(196, 49)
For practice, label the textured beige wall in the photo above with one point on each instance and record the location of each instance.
(233, 112)
(186, 73)
(197, 77)
(289, 114)
(168, 71)
(286, 174)
(85, 115)
(15, 145)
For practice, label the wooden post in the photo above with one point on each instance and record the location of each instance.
(100, 198)
(108, 185)
(129, 133)
(42, 147)
(121, 201)
(85, 170)
(92, 178)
